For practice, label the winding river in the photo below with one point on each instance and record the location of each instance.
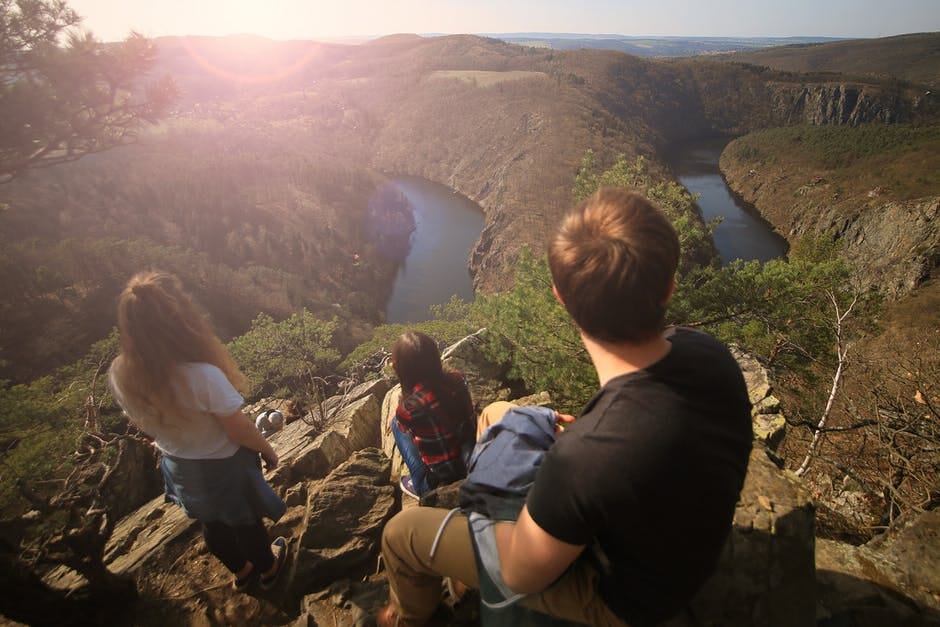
(447, 225)
(742, 234)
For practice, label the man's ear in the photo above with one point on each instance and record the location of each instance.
(670, 290)
(557, 295)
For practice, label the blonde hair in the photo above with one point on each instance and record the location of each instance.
(160, 328)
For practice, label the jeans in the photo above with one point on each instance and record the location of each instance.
(412, 458)
(235, 546)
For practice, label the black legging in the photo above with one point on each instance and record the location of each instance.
(234, 546)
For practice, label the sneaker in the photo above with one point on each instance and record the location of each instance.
(408, 487)
(279, 548)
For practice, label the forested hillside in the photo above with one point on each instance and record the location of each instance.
(914, 58)
(250, 217)
(264, 191)
(264, 172)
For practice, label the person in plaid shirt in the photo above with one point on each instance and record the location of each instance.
(435, 424)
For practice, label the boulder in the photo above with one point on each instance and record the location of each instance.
(766, 572)
(767, 420)
(893, 579)
(306, 454)
(389, 405)
(345, 514)
(486, 380)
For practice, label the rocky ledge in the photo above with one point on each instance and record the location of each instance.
(338, 477)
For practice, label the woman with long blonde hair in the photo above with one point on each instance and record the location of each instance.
(179, 385)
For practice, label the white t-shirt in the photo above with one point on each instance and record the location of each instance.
(205, 392)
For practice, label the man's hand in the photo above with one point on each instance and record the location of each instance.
(561, 421)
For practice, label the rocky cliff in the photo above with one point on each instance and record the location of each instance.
(894, 244)
(835, 103)
(340, 488)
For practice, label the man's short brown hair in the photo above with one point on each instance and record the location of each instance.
(613, 260)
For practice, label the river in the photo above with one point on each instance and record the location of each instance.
(447, 225)
(742, 234)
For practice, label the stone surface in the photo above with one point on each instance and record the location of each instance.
(768, 423)
(860, 586)
(766, 572)
(345, 515)
(340, 489)
(485, 379)
(914, 548)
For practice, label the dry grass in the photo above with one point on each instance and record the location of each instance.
(482, 78)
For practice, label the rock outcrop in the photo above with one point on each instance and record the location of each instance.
(766, 573)
(340, 490)
(894, 579)
(835, 104)
(894, 245)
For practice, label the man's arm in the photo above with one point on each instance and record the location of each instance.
(530, 558)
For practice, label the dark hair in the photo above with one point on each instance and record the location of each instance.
(417, 360)
(613, 260)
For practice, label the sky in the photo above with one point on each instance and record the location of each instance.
(111, 20)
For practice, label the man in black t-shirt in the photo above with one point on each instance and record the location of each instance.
(631, 506)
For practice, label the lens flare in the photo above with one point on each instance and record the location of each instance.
(251, 60)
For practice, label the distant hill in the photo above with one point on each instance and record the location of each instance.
(653, 46)
(258, 189)
(914, 57)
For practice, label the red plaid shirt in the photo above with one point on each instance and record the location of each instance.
(439, 438)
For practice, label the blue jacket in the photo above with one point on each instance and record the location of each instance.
(504, 461)
(501, 470)
(231, 490)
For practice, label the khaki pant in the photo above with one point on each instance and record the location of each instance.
(415, 577)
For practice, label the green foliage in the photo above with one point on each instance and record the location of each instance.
(533, 332)
(40, 422)
(586, 180)
(58, 103)
(285, 358)
(783, 311)
(53, 321)
(449, 322)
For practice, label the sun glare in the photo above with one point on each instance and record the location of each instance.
(249, 59)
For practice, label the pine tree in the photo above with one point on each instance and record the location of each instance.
(63, 94)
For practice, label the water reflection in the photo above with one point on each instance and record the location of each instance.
(447, 225)
(742, 233)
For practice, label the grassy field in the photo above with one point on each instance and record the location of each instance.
(487, 79)
(898, 162)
